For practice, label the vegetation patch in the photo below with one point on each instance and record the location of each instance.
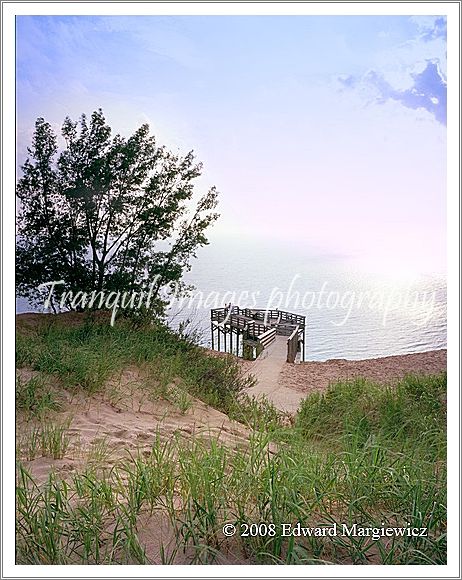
(358, 454)
(86, 356)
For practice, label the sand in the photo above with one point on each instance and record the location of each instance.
(123, 419)
(286, 385)
(314, 376)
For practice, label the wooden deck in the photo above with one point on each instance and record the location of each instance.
(247, 332)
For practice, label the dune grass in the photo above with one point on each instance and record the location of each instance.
(34, 397)
(85, 356)
(358, 453)
(46, 439)
(410, 415)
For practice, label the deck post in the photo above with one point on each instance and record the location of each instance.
(211, 329)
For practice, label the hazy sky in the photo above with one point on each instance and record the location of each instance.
(328, 131)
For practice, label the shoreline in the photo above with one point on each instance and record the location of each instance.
(31, 318)
(377, 358)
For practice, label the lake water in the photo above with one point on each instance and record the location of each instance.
(350, 312)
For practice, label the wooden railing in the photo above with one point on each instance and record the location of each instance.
(267, 337)
(255, 329)
(237, 321)
(293, 318)
(259, 327)
(258, 314)
(218, 314)
(292, 345)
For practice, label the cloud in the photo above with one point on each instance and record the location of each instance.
(428, 90)
(349, 81)
(431, 28)
(410, 72)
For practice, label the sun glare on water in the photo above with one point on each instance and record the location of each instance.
(400, 267)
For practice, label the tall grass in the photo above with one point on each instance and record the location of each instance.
(87, 355)
(385, 478)
(73, 523)
(412, 411)
(45, 440)
(358, 453)
(35, 397)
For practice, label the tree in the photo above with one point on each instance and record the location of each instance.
(107, 213)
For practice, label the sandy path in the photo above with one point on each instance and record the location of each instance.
(287, 384)
(267, 370)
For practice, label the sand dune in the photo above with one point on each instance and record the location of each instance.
(286, 385)
(312, 376)
(105, 428)
(126, 417)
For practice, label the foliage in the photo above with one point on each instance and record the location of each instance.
(34, 396)
(412, 409)
(201, 484)
(107, 213)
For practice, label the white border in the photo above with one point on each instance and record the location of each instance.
(231, 8)
(10, 10)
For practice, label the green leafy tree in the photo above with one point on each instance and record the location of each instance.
(107, 213)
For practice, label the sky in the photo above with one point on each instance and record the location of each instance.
(324, 132)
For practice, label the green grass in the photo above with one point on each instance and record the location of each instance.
(86, 356)
(257, 414)
(358, 453)
(410, 415)
(201, 484)
(45, 440)
(35, 397)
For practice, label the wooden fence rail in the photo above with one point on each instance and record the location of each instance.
(255, 329)
(256, 325)
(292, 345)
(267, 337)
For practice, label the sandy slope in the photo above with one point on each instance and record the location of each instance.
(310, 376)
(285, 385)
(125, 418)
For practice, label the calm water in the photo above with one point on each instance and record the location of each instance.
(350, 313)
